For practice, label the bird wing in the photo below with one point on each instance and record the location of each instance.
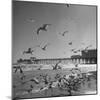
(45, 46)
(38, 30)
(16, 70)
(21, 71)
(45, 26)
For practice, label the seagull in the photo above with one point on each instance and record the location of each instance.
(70, 43)
(34, 80)
(63, 34)
(46, 78)
(39, 68)
(75, 51)
(88, 47)
(31, 20)
(56, 65)
(44, 48)
(44, 88)
(72, 49)
(29, 51)
(68, 5)
(75, 70)
(42, 28)
(18, 67)
(21, 71)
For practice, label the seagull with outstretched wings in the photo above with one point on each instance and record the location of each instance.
(42, 28)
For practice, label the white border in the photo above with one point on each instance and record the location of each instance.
(5, 48)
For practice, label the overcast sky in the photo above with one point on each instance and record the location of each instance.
(78, 20)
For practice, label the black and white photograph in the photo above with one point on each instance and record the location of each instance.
(54, 49)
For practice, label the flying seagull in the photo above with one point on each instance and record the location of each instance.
(88, 47)
(70, 43)
(72, 49)
(42, 28)
(29, 51)
(63, 34)
(31, 20)
(44, 48)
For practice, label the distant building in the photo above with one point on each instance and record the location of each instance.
(89, 53)
(87, 56)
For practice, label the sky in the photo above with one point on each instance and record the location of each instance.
(78, 20)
